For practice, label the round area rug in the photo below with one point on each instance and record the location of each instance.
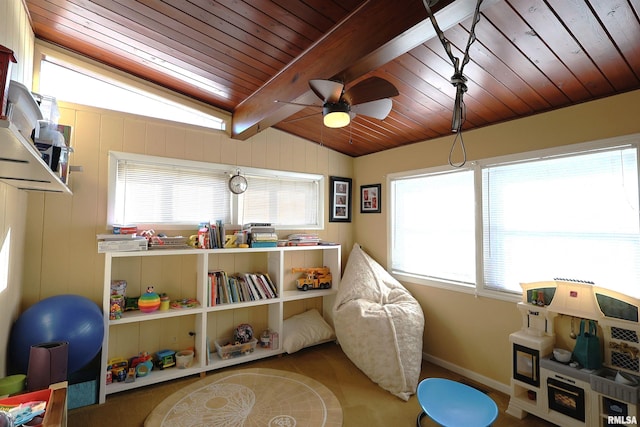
(250, 397)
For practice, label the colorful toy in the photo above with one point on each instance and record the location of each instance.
(131, 376)
(118, 287)
(165, 359)
(164, 301)
(144, 368)
(150, 301)
(314, 278)
(118, 368)
(243, 333)
(130, 303)
(116, 307)
(265, 339)
(185, 303)
(140, 358)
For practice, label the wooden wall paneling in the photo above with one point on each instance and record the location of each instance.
(156, 139)
(259, 152)
(272, 156)
(134, 136)
(125, 339)
(258, 318)
(32, 271)
(57, 265)
(212, 146)
(229, 152)
(188, 280)
(128, 269)
(224, 322)
(194, 145)
(175, 140)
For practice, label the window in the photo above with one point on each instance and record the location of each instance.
(292, 201)
(573, 216)
(71, 83)
(536, 216)
(156, 191)
(433, 226)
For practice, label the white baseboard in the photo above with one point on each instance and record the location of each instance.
(504, 388)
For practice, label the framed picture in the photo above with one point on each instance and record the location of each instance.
(370, 198)
(339, 199)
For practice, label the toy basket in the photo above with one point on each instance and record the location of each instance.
(228, 351)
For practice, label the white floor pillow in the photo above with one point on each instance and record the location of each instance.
(379, 325)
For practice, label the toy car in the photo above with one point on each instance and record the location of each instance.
(314, 278)
(165, 359)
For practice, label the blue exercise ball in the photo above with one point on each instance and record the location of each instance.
(71, 318)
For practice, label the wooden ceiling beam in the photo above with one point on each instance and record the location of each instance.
(376, 33)
(371, 36)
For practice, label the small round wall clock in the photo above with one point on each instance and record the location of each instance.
(238, 183)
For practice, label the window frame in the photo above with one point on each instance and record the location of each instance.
(479, 289)
(236, 201)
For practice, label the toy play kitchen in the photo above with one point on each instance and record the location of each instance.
(553, 385)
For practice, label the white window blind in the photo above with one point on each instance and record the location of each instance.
(148, 193)
(433, 232)
(571, 217)
(287, 202)
(156, 191)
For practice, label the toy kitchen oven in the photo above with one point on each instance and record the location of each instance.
(564, 393)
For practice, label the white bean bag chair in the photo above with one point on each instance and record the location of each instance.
(379, 325)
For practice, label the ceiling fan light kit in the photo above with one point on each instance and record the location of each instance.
(336, 115)
(369, 97)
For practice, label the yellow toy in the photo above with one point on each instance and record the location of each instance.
(314, 278)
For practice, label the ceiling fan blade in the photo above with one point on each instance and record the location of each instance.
(298, 104)
(378, 109)
(327, 90)
(370, 89)
(302, 118)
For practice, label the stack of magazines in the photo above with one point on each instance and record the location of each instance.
(303, 239)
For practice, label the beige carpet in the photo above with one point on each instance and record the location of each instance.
(250, 397)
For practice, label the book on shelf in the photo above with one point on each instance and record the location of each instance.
(259, 227)
(264, 244)
(211, 235)
(303, 239)
(125, 229)
(265, 285)
(256, 285)
(234, 288)
(270, 283)
(264, 237)
(110, 236)
(140, 244)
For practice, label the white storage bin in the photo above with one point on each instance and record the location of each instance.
(23, 110)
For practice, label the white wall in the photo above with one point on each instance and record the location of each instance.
(15, 34)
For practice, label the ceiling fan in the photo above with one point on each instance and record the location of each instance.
(370, 97)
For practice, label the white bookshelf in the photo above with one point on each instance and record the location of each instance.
(207, 322)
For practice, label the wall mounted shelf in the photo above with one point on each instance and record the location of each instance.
(21, 164)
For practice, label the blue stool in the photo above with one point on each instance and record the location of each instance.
(452, 404)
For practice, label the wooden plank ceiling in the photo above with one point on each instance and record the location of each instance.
(530, 56)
